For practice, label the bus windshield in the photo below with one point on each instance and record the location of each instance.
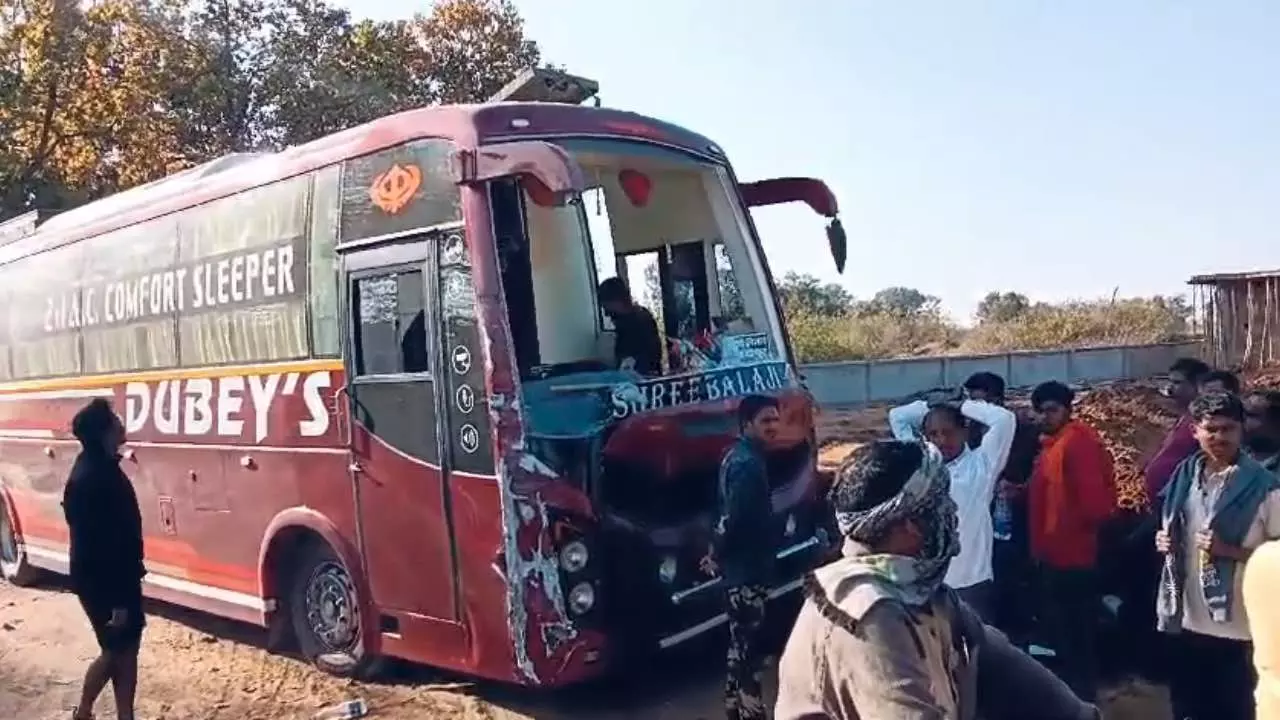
(670, 226)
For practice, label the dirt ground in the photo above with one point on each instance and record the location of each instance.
(201, 668)
(198, 668)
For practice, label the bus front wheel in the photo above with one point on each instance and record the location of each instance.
(325, 611)
(14, 567)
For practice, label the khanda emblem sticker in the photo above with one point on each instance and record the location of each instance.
(392, 190)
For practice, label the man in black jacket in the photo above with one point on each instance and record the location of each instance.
(106, 556)
(1011, 558)
(743, 553)
(637, 343)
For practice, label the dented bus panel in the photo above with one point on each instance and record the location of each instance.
(372, 401)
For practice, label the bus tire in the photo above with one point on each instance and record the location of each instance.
(324, 607)
(14, 566)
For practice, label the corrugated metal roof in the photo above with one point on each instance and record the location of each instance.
(1217, 278)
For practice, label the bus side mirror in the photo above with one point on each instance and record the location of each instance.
(558, 175)
(809, 191)
(839, 245)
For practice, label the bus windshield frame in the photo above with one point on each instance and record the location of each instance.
(671, 224)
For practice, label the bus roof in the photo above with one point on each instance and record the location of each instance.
(466, 125)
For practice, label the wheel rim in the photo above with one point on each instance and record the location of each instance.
(332, 613)
(8, 540)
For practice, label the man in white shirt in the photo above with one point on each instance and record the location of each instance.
(973, 480)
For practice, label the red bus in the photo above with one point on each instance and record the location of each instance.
(371, 400)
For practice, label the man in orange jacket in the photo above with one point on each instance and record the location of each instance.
(1072, 493)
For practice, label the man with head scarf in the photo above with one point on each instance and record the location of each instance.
(880, 637)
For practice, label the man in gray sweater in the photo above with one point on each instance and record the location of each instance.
(880, 637)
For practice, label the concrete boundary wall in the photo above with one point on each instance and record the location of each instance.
(851, 383)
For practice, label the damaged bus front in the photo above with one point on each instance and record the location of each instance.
(619, 467)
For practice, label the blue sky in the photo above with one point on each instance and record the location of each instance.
(1061, 149)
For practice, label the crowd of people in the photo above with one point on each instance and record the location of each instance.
(970, 540)
(973, 542)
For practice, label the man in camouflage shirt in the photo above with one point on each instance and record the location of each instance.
(742, 552)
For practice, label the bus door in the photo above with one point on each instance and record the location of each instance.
(401, 384)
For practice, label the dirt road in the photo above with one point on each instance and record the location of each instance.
(197, 668)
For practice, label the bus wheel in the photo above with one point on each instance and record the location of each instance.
(325, 610)
(14, 567)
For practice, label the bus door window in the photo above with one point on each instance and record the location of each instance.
(392, 333)
(391, 343)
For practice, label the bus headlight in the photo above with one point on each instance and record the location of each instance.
(582, 598)
(667, 570)
(574, 557)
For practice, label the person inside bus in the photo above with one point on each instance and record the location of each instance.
(973, 479)
(1219, 506)
(880, 637)
(742, 553)
(107, 568)
(637, 345)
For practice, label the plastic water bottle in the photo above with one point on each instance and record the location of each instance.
(1002, 519)
(343, 711)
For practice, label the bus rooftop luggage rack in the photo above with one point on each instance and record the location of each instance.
(547, 85)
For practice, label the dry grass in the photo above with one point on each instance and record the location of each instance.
(870, 335)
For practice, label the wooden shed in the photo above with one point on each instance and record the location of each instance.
(1239, 314)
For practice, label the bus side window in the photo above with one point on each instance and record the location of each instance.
(323, 290)
(391, 334)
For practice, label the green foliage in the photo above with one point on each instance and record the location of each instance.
(98, 97)
(1002, 306)
(806, 295)
(1083, 323)
(901, 302)
(827, 325)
